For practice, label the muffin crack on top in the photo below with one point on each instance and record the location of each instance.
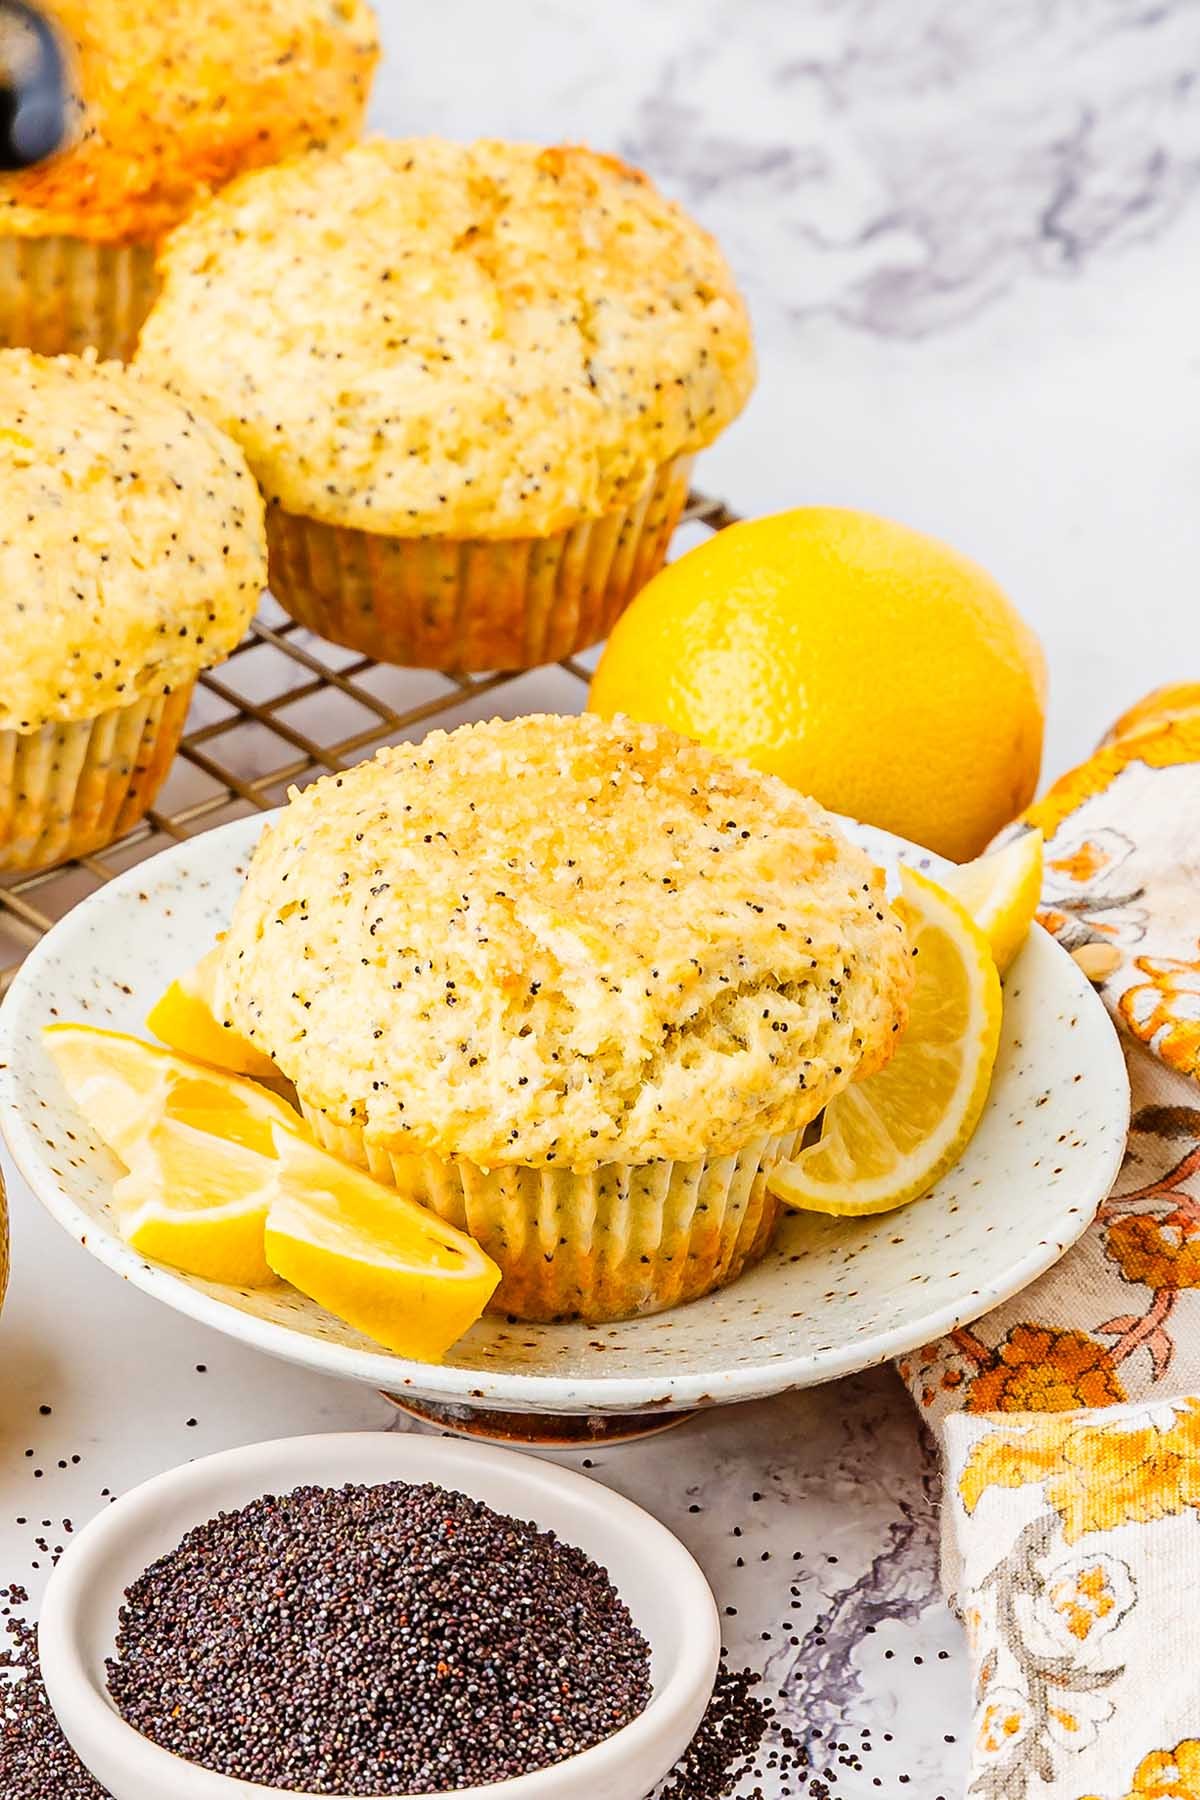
(478, 340)
(563, 942)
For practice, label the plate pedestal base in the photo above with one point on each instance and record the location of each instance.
(539, 1431)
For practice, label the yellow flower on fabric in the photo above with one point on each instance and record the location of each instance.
(1165, 1011)
(1075, 1721)
(1078, 1602)
(1166, 1775)
(1003, 1722)
(1095, 1476)
(1039, 1369)
(1084, 1598)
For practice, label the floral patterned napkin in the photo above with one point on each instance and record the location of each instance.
(1070, 1418)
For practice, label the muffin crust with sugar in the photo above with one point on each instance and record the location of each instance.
(180, 95)
(563, 941)
(132, 546)
(472, 340)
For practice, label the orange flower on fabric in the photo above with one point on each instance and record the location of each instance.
(1039, 1369)
(1159, 1250)
(1165, 1011)
(1096, 1477)
(1091, 891)
(1166, 1775)
(1084, 863)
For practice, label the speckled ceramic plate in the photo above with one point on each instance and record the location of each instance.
(831, 1297)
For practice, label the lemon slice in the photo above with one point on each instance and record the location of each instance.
(124, 1087)
(889, 1137)
(385, 1264)
(199, 1203)
(1002, 892)
(224, 1183)
(185, 1017)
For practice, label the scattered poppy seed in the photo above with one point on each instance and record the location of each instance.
(723, 1750)
(36, 1760)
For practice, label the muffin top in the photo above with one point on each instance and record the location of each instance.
(177, 96)
(563, 940)
(486, 340)
(132, 548)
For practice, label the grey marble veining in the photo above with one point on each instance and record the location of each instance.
(896, 164)
(920, 158)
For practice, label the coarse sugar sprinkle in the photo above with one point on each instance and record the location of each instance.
(392, 1639)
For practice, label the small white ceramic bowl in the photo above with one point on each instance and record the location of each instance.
(660, 1582)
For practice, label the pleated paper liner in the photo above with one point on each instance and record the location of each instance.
(69, 789)
(61, 294)
(472, 604)
(619, 1241)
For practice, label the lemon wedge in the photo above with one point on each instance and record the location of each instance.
(890, 1137)
(385, 1264)
(185, 1017)
(199, 1203)
(1002, 892)
(224, 1183)
(124, 1086)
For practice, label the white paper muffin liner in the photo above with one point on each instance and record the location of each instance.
(61, 294)
(621, 1240)
(69, 789)
(473, 604)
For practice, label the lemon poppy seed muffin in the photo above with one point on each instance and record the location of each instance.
(470, 379)
(175, 98)
(576, 983)
(132, 555)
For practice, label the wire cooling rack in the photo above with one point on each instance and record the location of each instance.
(286, 708)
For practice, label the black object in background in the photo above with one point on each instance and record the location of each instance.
(34, 87)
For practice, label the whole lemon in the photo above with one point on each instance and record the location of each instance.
(867, 664)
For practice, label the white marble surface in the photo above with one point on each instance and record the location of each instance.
(970, 235)
(970, 231)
